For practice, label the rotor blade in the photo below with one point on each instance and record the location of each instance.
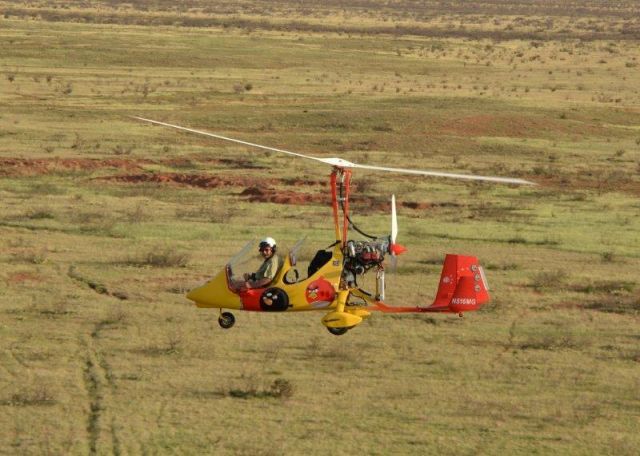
(394, 220)
(341, 163)
(200, 132)
(504, 180)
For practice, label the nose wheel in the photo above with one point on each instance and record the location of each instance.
(338, 331)
(226, 320)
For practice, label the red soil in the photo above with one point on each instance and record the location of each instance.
(19, 277)
(190, 180)
(39, 166)
(514, 126)
(255, 189)
(264, 194)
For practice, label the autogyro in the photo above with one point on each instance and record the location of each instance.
(331, 281)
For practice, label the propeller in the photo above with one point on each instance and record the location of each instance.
(394, 248)
(341, 163)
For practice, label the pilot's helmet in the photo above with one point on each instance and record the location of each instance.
(268, 242)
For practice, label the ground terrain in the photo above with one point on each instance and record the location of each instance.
(106, 222)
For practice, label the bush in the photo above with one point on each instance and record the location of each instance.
(281, 388)
(34, 395)
(39, 214)
(31, 256)
(607, 257)
(548, 279)
(161, 258)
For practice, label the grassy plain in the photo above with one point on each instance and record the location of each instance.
(106, 222)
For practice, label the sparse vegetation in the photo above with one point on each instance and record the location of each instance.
(161, 257)
(549, 280)
(31, 395)
(281, 388)
(105, 223)
(31, 256)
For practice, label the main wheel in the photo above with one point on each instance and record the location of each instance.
(226, 320)
(338, 331)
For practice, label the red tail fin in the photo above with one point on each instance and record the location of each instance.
(462, 287)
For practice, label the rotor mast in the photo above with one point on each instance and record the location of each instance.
(340, 177)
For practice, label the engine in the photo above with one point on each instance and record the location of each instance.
(360, 256)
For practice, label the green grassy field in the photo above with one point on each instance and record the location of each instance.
(106, 222)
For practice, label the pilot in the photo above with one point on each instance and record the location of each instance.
(267, 270)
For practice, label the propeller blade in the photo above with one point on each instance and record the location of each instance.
(341, 163)
(394, 220)
(394, 248)
(394, 263)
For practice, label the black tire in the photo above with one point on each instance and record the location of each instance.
(338, 331)
(274, 300)
(226, 320)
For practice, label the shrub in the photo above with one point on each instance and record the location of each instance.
(39, 214)
(548, 279)
(553, 342)
(607, 257)
(161, 258)
(33, 395)
(32, 256)
(281, 388)
(616, 303)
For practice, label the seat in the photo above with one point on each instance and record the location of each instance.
(321, 258)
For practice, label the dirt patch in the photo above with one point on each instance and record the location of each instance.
(297, 182)
(255, 189)
(39, 166)
(415, 205)
(190, 180)
(598, 183)
(515, 126)
(12, 167)
(240, 163)
(201, 180)
(265, 194)
(20, 277)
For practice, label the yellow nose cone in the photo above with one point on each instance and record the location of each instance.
(216, 294)
(199, 295)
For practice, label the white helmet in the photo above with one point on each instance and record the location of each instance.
(268, 241)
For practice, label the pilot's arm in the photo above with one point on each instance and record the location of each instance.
(261, 283)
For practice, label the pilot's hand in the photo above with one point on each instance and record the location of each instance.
(240, 287)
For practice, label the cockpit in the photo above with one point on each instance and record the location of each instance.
(300, 263)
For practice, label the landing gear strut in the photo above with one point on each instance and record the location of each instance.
(226, 320)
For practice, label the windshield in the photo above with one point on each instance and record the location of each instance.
(242, 255)
(295, 250)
